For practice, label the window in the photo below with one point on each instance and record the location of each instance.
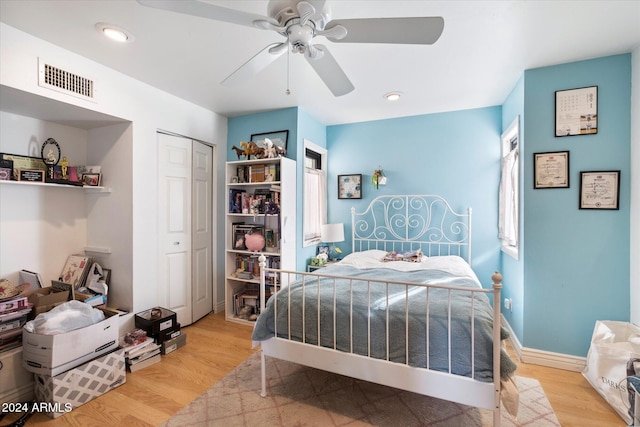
(315, 192)
(509, 190)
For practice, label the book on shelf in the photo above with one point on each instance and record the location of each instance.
(241, 174)
(145, 363)
(235, 200)
(257, 173)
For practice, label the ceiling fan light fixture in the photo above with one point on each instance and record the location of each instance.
(393, 96)
(114, 32)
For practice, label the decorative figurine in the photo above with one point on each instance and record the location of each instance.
(252, 149)
(64, 164)
(239, 151)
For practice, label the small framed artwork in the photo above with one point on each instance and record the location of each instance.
(278, 138)
(551, 170)
(323, 249)
(350, 186)
(577, 111)
(91, 179)
(600, 190)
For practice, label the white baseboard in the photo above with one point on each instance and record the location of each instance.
(544, 358)
(219, 307)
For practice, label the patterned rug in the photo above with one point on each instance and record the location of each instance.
(302, 396)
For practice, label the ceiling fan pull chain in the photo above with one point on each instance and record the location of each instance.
(288, 92)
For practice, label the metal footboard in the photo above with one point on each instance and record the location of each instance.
(484, 397)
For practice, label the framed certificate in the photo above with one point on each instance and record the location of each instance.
(551, 170)
(577, 111)
(600, 190)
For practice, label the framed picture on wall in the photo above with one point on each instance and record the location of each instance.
(551, 170)
(278, 138)
(577, 111)
(350, 186)
(600, 190)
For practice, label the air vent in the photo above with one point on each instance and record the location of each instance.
(56, 78)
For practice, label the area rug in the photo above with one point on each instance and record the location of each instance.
(302, 396)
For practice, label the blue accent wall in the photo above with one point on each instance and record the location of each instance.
(455, 155)
(242, 127)
(576, 262)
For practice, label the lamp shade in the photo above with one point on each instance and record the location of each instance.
(332, 233)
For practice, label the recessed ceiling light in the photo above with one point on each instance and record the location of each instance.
(114, 32)
(392, 96)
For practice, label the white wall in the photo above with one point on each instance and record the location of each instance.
(148, 110)
(27, 241)
(634, 251)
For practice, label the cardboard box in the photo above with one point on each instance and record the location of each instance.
(44, 299)
(73, 388)
(173, 344)
(54, 354)
(156, 320)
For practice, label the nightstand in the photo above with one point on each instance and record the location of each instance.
(311, 268)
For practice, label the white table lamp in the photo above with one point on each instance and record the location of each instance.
(332, 233)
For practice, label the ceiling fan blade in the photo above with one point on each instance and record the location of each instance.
(306, 11)
(337, 32)
(330, 72)
(256, 64)
(414, 30)
(207, 10)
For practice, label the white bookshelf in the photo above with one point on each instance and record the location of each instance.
(283, 251)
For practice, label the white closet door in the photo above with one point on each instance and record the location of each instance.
(202, 224)
(174, 212)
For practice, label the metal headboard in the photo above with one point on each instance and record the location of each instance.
(408, 222)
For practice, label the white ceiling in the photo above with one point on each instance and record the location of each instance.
(485, 47)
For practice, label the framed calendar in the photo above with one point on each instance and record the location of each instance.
(577, 111)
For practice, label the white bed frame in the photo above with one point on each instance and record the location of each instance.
(400, 223)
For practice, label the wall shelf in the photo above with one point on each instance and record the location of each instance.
(88, 189)
(97, 249)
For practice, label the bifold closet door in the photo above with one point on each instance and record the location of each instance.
(202, 230)
(174, 215)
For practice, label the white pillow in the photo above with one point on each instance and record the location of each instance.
(364, 259)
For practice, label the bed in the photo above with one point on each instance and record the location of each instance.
(425, 326)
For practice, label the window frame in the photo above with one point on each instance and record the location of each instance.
(323, 154)
(509, 138)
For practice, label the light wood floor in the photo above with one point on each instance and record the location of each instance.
(214, 347)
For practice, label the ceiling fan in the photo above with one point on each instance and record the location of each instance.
(300, 21)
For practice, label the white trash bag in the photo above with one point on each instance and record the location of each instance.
(64, 318)
(613, 345)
